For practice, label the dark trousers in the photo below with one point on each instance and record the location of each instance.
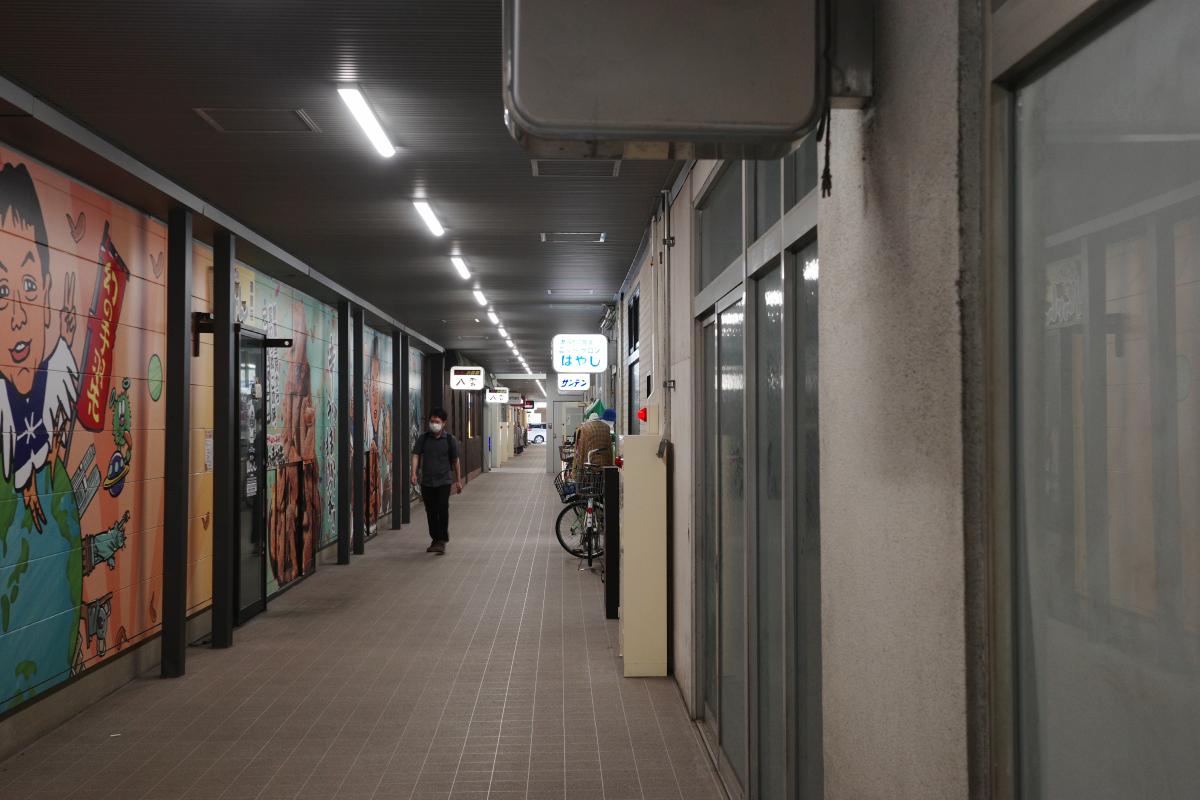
(437, 509)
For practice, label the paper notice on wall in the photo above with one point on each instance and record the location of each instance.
(208, 451)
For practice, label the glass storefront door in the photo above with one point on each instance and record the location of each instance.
(724, 538)
(250, 509)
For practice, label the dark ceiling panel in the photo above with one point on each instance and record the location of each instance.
(136, 71)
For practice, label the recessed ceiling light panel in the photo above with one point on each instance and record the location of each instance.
(431, 220)
(354, 100)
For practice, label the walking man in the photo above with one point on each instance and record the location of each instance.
(435, 463)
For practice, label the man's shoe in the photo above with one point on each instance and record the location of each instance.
(439, 548)
(433, 547)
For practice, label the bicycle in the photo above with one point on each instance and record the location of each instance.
(580, 526)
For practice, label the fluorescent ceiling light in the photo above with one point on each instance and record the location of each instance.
(357, 104)
(503, 332)
(426, 213)
(459, 265)
(479, 298)
(492, 316)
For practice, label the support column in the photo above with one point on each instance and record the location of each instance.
(225, 455)
(343, 433)
(178, 437)
(358, 466)
(401, 427)
(435, 378)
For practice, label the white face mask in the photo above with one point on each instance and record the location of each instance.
(435, 427)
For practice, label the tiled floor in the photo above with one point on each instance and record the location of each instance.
(486, 673)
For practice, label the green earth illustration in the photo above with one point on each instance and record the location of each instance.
(154, 377)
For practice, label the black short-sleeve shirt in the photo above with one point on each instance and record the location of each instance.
(438, 454)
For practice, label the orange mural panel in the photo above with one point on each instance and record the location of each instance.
(82, 327)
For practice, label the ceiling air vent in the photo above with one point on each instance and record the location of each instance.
(259, 120)
(577, 238)
(575, 168)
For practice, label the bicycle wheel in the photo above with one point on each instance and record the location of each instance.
(598, 534)
(570, 528)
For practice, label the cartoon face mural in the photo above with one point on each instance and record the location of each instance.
(377, 441)
(80, 569)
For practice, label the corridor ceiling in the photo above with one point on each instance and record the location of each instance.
(136, 73)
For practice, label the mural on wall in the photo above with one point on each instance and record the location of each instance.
(377, 443)
(416, 415)
(82, 318)
(301, 405)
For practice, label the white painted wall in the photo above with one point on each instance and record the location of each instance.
(681, 434)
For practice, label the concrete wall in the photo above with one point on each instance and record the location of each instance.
(892, 483)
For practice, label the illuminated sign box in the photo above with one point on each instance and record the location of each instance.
(496, 396)
(574, 382)
(467, 379)
(579, 352)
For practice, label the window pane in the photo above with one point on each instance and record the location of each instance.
(635, 397)
(807, 551)
(766, 195)
(772, 733)
(720, 221)
(800, 171)
(731, 456)
(1108, 356)
(711, 590)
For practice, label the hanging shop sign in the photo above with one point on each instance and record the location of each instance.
(599, 80)
(496, 396)
(574, 381)
(580, 352)
(467, 379)
(529, 404)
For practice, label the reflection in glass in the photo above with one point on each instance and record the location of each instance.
(800, 171)
(731, 457)
(1108, 408)
(767, 195)
(772, 731)
(251, 478)
(719, 217)
(711, 574)
(807, 546)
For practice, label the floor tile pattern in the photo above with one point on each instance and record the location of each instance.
(489, 672)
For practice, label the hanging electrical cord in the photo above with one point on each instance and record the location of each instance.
(824, 127)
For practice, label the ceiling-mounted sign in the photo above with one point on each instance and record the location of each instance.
(586, 79)
(574, 381)
(496, 396)
(580, 352)
(469, 379)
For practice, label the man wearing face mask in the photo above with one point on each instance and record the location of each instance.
(435, 463)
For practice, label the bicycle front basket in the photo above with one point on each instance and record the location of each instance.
(590, 482)
(565, 485)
